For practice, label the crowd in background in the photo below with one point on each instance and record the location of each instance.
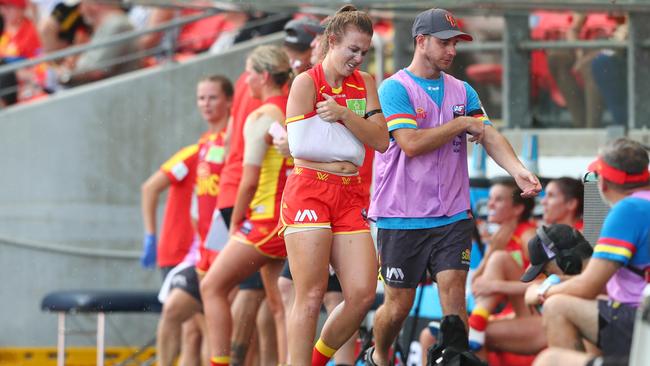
(585, 83)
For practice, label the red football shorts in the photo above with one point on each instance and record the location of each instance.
(313, 198)
(263, 236)
(206, 258)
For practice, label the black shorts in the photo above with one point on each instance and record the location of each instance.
(405, 256)
(333, 284)
(226, 213)
(253, 282)
(164, 271)
(188, 281)
(615, 327)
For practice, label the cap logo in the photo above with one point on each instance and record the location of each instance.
(451, 20)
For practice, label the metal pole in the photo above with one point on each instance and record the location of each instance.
(378, 43)
(120, 38)
(60, 341)
(101, 322)
(516, 72)
(638, 73)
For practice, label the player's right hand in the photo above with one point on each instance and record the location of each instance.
(148, 256)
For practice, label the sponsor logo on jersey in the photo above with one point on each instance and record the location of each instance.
(357, 106)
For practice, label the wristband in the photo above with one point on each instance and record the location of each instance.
(547, 284)
(372, 113)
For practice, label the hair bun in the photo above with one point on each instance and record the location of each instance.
(345, 8)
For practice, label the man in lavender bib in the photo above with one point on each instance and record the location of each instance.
(421, 199)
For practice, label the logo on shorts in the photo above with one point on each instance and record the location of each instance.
(303, 215)
(322, 176)
(179, 281)
(346, 180)
(394, 273)
(246, 227)
(464, 256)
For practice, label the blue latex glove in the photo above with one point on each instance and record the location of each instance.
(148, 257)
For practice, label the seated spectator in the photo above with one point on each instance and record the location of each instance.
(563, 202)
(620, 263)
(505, 259)
(583, 102)
(8, 88)
(107, 20)
(609, 69)
(525, 335)
(194, 37)
(19, 39)
(63, 27)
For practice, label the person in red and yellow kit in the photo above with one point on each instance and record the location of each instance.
(179, 175)
(20, 39)
(214, 96)
(333, 112)
(253, 243)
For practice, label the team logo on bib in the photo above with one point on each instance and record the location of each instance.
(459, 110)
(357, 106)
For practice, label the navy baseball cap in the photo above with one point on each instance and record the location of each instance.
(439, 23)
(301, 32)
(565, 239)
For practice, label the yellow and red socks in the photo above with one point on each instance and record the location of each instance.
(321, 353)
(477, 322)
(220, 361)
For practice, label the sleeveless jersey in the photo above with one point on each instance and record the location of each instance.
(516, 244)
(210, 163)
(352, 94)
(274, 171)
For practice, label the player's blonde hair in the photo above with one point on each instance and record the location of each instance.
(273, 60)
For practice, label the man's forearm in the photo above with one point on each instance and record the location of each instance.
(501, 151)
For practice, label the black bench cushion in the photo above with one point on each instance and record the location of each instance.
(93, 301)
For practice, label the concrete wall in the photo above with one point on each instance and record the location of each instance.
(71, 170)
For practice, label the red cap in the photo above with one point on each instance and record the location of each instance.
(17, 3)
(615, 175)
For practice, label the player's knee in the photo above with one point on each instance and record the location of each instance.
(311, 300)
(556, 308)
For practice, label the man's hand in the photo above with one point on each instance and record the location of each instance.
(476, 128)
(282, 145)
(330, 111)
(528, 183)
(532, 295)
(148, 256)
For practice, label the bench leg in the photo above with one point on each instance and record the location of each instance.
(60, 341)
(101, 322)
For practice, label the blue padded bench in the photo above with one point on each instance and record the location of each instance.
(99, 302)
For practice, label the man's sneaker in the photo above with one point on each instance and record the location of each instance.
(367, 360)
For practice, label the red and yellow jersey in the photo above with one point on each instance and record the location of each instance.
(516, 245)
(177, 233)
(23, 44)
(274, 171)
(352, 94)
(211, 157)
(242, 105)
